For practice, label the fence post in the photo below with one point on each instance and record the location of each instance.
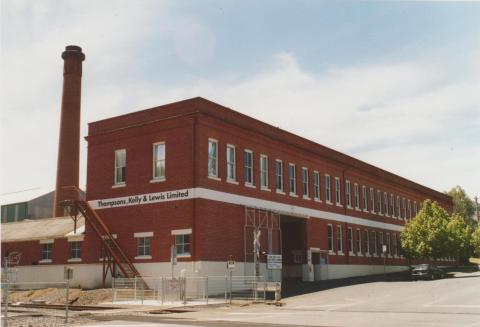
(206, 287)
(66, 300)
(135, 288)
(226, 288)
(5, 299)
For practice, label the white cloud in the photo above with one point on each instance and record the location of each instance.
(417, 119)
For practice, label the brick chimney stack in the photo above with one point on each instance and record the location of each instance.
(68, 161)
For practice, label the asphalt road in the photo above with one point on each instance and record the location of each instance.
(447, 302)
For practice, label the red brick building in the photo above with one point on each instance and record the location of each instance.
(203, 177)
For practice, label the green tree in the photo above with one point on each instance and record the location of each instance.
(476, 241)
(427, 235)
(461, 241)
(462, 204)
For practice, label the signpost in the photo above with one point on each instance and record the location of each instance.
(67, 275)
(173, 256)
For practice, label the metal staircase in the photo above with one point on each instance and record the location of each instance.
(112, 250)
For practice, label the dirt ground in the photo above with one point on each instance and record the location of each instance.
(57, 296)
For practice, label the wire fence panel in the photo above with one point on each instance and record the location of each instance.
(189, 289)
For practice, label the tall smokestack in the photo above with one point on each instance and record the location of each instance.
(69, 141)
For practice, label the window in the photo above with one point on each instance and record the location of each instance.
(392, 205)
(330, 237)
(144, 246)
(305, 182)
(348, 194)
(358, 238)
(328, 192)
(292, 178)
(379, 202)
(394, 245)
(182, 244)
(248, 166)
(316, 185)
(356, 196)
(264, 171)
(350, 240)
(409, 209)
(75, 250)
(364, 198)
(337, 191)
(380, 242)
(415, 209)
(404, 205)
(159, 161)
(388, 243)
(385, 203)
(279, 174)
(372, 200)
(339, 239)
(374, 239)
(212, 158)
(47, 251)
(367, 241)
(120, 166)
(399, 212)
(231, 163)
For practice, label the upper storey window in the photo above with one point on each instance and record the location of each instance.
(120, 166)
(305, 182)
(292, 179)
(328, 190)
(159, 161)
(385, 203)
(212, 158)
(392, 205)
(248, 167)
(356, 196)
(379, 202)
(263, 171)
(231, 163)
(372, 200)
(316, 185)
(337, 191)
(279, 174)
(364, 198)
(348, 194)
(399, 211)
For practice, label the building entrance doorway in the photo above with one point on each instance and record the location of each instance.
(294, 246)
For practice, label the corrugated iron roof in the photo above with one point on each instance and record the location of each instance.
(48, 228)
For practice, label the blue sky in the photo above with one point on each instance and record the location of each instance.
(395, 84)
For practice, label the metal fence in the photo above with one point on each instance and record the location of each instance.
(193, 289)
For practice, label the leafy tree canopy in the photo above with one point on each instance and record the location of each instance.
(462, 204)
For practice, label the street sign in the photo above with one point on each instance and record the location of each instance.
(274, 261)
(230, 263)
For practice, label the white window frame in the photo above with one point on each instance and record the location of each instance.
(379, 203)
(117, 166)
(331, 240)
(364, 198)
(404, 205)
(328, 189)
(366, 233)
(279, 176)
(248, 169)
(394, 243)
(183, 254)
(348, 194)
(264, 172)
(292, 179)
(47, 252)
(211, 174)
(305, 184)
(399, 209)
(380, 240)
(231, 163)
(338, 194)
(372, 200)
(389, 244)
(339, 237)
(392, 205)
(409, 210)
(375, 243)
(316, 186)
(156, 160)
(356, 196)
(71, 250)
(385, 200)
(350, 241)
(415, 207)
(358, 239)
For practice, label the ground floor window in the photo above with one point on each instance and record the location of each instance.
(182, 244)
(47, 251)
(330, 237)
(75, 250)
(144, 246)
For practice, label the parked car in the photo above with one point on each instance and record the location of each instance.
(426, 271)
